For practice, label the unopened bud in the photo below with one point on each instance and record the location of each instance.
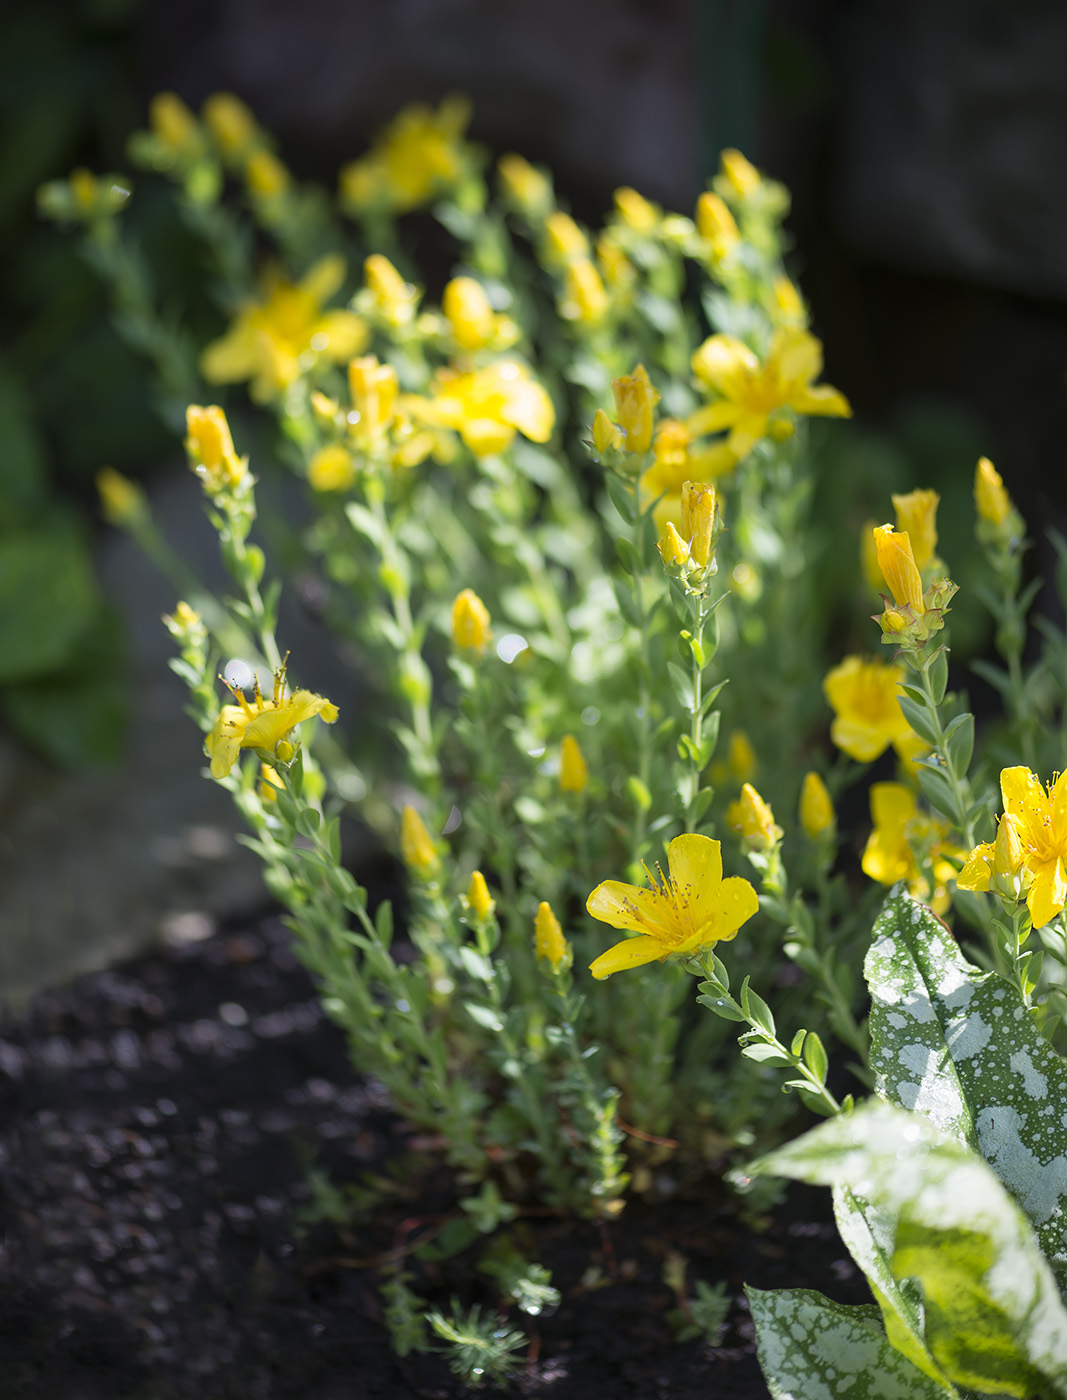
(897, 563)
(605, 434)
(700, 520)
(816, 808)
(635, 400)
(990, 498)
(470, 622)
(917, 518)
(549, 940)
(416, 844)
(478, 897)
(573, 773)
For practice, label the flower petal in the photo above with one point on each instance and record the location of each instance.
(860, 741)
(977, 869)
(796, 356)
(628, 906)
(822, 400)
(631, 952)
(734, 902)
(695, 864)
(1048, 893)
(529, 409)
(1025, 798)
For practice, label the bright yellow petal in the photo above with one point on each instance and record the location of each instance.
(1048, 893)
(324, 277)
(713, 417)
(977, 868)
(627, 906)
(796, 354)
(892, 804)
(347, 333)
(734, 903)
(746, 433)
(529, 409)
(233, 357)
(631, 952)
(1025, 798)
(822, 400)
(862, 742)
(887, 858)
(723, 362)
(695, 864)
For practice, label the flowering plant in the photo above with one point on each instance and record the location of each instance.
(551, 511)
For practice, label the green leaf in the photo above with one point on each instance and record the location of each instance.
(918, 716)
(722, 1008)
(815, 1057)
(484, 1016)
(476, 966)
(682, 684)
(756, 1009)
(766, 1054)
(958, 1045)
(936, 788)
(993, 1320)
(621, 495)
(809, 1346)
(959, 743)
(937, 673)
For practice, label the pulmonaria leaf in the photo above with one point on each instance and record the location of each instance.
(993, 1320)
(811, 1347)
(958, 1045)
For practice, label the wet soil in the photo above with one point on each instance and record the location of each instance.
(157, 1126)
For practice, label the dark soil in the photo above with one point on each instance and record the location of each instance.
(157, 1125)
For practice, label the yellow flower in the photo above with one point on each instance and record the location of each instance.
(700, 520)
(673, 549)
(676, 461)
(564, 240)
(331, 469)
(816, 807)
(899, 827)
(479, 900)
(210, 446)
(121, 500)
(716, 225)
(573, 773)
(231, 124)
(486, 406)
(282, 333)
(635, 400)
(524, 185)
(743, 176)
(753, 818)
(584, 298)
(186, 625)
(897, 563)
(750, 391)
(865, 698)
(265, 175)
(990, 498)
(172, 123)
(387, 297)
(373, 389)
(261, 724)
(692, 909)
(605, 434)
(417, 845)
(469, 313)
(636, 211)
(1039, 818)
(548, 938)
(470, 622)
(420, 155)
(917, 518)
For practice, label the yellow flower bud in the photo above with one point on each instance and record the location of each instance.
(742, 175)
(564, 240)
(584, 297)
(469, 313)
(172, 122)
(635, 400)
(700, 520)
(673, 549)
(479, 899)
(186, 625)
(416, 844)
(715, 222)
(210, 446)
(756, 820)
(470, 622)
(990, 498)
(548, 937)
(230, 122)
(573, 773)
(265, 175)
(897, 564)
(742, 756)
(331, 469)
(605, 434)
(917, 518)
(121, 500)
(394, 298)
(816, 808)
(373, 387)
(634, 209)
(524, 185)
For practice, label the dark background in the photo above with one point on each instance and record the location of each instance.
(923, 141)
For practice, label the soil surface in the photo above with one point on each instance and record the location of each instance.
(158, 1123)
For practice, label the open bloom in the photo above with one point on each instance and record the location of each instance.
(1038, 848)
(690, 910)
(261, 723)
(420, 154)
(750, 391)
(284, 330)
(900, 830)
(865, 697)
(488, 405)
